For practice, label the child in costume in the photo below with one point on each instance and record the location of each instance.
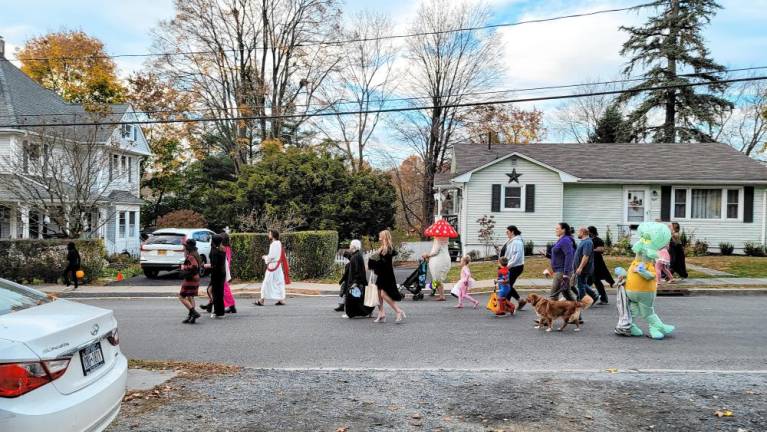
(504, 287)
(663, 266)
(624, 314)
(641, 282)
(465, 283)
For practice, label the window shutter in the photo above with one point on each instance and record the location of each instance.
(748, 204)
(530, 198)
(665, 203)
(496, 202)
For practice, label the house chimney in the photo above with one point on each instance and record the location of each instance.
(2, 47)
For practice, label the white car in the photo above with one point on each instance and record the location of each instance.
(164, 249)
(61, 368)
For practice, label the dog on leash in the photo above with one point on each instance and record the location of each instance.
(549, 311)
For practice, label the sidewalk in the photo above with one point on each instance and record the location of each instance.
(716, 285)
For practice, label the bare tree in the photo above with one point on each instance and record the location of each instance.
(63, 174)
(362, 83)
(576, 120)
(745, 126)
(442, 67)
(248, 58)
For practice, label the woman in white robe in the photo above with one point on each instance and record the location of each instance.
(439, 265)
(273, 286)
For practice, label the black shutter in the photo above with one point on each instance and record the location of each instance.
(665, 203)
(530, 198)
(496, 204)
(748, 204)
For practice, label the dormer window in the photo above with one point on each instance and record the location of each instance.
(129, 132)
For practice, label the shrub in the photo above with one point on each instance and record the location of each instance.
(699, 248)
(753, 249)
(622, 247)
(182, 219)
(529, 248)
(27, 260)
(726, 248)
(474, 255)
(311, 254)
(608, 238)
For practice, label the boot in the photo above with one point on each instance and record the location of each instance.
(188, 317)
(340, 308)
(231, 309)
(207, 307)
(522, 303)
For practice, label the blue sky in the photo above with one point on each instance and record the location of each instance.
(561, 52)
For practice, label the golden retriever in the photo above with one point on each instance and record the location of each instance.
(549, 311)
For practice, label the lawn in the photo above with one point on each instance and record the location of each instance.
(740, 266)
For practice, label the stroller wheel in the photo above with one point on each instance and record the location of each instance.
(418, 296)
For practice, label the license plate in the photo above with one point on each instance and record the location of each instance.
(92, 358)
(161, 252)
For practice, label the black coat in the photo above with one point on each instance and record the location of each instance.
(601, 272)
(73, 259)
(356, 275)
(384, 270)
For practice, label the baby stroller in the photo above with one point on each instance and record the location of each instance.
(416, 282)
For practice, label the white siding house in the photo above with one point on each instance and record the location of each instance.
(714, 192)
(33, 123)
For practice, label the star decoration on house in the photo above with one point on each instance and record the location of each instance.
(514, 176)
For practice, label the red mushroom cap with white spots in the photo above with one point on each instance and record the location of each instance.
(441, 229)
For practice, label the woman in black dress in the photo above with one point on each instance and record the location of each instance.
(601, 272)
(217, 268)
(356, 282)
(676, 250)
(387, 284)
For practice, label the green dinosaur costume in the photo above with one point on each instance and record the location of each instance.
(641, 285)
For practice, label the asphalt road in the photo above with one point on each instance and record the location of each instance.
(713, 333)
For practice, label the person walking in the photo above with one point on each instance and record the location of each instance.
(584, 264)
(561, 264)
(676, 249)
(465, 283)
(229, 303)
(601, 272)
(356, 283)
(439, 265)
(343, 285)
(387, 284)
(514, 252)
(277, 272)
(73, 265)
(190, 286)
(217, 268)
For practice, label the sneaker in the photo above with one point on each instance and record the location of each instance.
(340, 308)
(345, 316)
(603, 302)
(522, 304)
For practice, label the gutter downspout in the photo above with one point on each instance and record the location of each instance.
(764, 217)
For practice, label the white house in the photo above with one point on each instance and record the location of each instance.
(712, 190)
(24, 106)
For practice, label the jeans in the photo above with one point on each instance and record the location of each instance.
(584, 287)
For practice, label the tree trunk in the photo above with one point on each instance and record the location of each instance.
(669, 126)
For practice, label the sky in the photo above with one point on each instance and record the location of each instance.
(560, 52)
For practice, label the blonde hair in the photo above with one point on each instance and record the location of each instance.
(465, 260)
(387, 245)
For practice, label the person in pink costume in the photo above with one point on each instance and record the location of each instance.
(465, 283)
(229, 303)
(663, 266)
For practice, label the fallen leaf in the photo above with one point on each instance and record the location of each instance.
(612, 370)
(723, 413)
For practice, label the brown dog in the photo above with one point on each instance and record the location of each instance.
(550, 310)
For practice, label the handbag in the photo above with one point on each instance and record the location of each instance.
(371, 296)
(456, 290)
(355, 291)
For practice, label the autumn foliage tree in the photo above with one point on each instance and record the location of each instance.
(182, 219)
(74, 65)
(504, 124)
(407, 179)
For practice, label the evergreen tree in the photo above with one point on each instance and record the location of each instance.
(611, 127)
(670, 44)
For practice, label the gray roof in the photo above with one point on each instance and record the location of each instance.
(657, 162)
(24, 103)
(124, 197)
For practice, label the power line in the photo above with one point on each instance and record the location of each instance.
(346, 41)
(393, 110)
(405, 99)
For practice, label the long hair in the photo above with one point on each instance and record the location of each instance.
(593, 232)
(387, 244)
(225, 240)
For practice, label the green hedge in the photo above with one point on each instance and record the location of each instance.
(310, 254)
(26, 260)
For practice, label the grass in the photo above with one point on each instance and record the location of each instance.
(739, 266)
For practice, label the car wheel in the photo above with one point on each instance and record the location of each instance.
(150, 273)
(203, 270)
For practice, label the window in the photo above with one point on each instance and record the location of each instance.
(706, 204)
(132, 224)
(512, 197)
(30, 156)
(121, 225)
(130, 169)
(114, 167)
(733, 200)
(123, 165)
(680, 203)
(635, 206)
(201, 236)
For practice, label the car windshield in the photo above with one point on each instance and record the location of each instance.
(14, 297)
(166, 239)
